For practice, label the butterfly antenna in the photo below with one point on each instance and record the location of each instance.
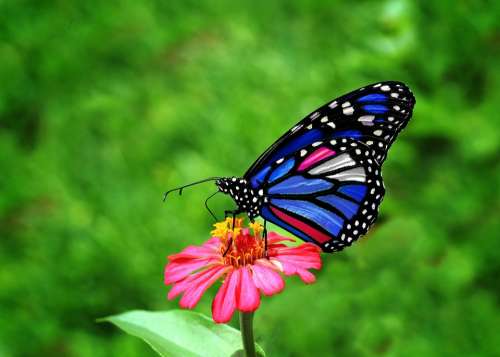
(208, 208)
(188, 185)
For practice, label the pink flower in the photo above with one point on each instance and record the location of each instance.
(237, 256)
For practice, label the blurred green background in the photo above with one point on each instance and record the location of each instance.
(104, 105)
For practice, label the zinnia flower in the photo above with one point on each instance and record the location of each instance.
(238, 256)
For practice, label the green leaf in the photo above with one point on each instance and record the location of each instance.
(181, 333)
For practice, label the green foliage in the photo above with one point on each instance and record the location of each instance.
(181, 333)
(103, 106)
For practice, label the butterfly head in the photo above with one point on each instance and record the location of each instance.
(247, 199)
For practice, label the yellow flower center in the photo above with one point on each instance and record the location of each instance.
(239, 245)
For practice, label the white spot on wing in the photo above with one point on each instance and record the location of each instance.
(366, 120)
(348, 111)
(314, 115)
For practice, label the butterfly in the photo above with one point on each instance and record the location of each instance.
(322, 179)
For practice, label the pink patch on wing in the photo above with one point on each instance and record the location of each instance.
(305, 228)
(315, 156)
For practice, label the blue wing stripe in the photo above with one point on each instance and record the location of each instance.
(282, 170)
(268, 215)
(375, 108)
(322, 217)
(347, 134)
(373, 98)
(259, 177)
(356, 192)
(348, 208)
(296, 144)
(300, 186)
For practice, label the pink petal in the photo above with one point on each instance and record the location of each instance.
(305, 256)
(181, 286)
(195, 252)
(273, 237)
(224, 303)
(296, 260)
(212, 243)
(209, 249)
(197, 287)
(176, 271)
(177, 289)
(306, 249)
(302, 262)
(266, 279)
(290, 268)
(306, 276)
(248, 296)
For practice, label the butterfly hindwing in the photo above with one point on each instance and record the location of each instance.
(373, 115)
(327, 193)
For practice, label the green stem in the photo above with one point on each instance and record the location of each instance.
(246, 328)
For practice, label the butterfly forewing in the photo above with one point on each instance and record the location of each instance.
(373, 115)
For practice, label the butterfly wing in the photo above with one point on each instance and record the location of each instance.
(373, 115)
(328, 193)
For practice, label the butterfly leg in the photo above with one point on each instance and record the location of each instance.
(264, 232)
(233, 213)
(229, 244)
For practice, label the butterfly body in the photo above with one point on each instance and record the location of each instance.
(322, 179)
(246, 198)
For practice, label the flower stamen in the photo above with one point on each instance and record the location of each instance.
(239, 246)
